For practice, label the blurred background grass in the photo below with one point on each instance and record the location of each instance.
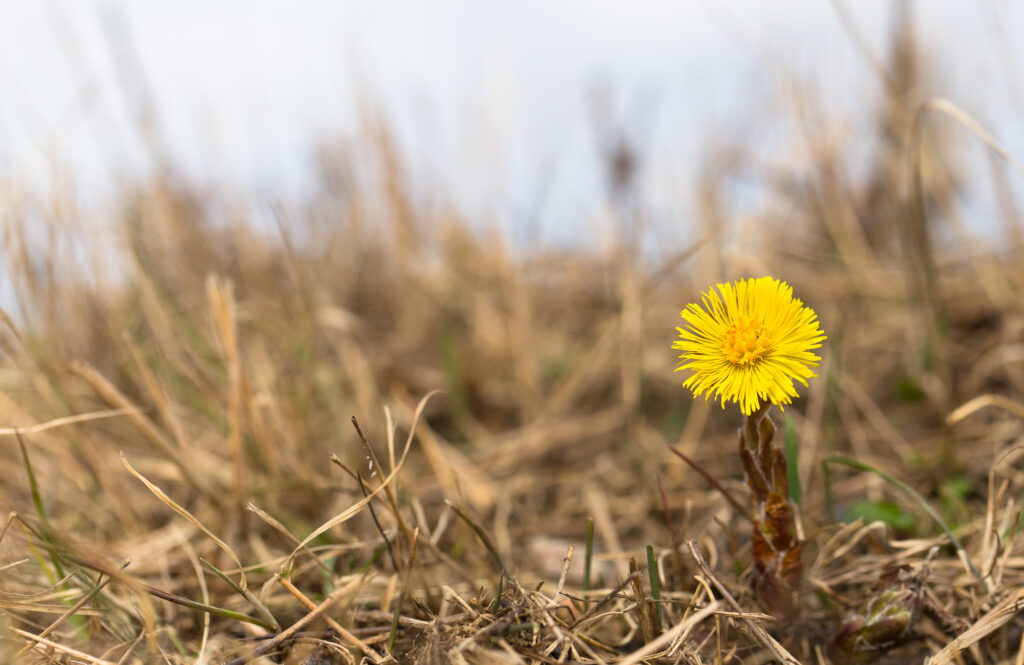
(247, 319)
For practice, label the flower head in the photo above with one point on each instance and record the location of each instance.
(750, 344)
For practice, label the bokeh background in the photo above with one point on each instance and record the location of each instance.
(506, 109)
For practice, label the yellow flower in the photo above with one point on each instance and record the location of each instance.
(750, 344)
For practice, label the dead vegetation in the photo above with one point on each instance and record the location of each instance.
(186, 482)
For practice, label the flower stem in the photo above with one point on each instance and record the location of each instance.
(778, 569)
(751, 426)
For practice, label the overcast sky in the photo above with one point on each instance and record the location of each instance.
(490, 100)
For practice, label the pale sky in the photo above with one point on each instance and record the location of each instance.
(489, 100)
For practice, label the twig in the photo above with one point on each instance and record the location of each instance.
(737, 506)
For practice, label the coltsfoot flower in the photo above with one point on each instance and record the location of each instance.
(750, 344)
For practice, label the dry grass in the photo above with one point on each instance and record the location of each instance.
(197, 407)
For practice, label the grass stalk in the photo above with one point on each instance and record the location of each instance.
(923, 503)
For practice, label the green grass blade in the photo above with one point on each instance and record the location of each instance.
(33, 484)
(37, 500)
(655, 578)
(393, 636)
(792, 452)
(261, 609)
(482, 535)
(496, 603)
(166, 595)
(209, 609)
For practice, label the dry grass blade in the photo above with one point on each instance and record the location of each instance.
(956, 113)
(642, 605)
(79, 604)
(136, 416)
(158, 396)
(70, 420)
(280, 528)
(566, 562)
(205, 595)
(766, 640)
(354, 509)
(222, 303)
(173, 505)
(42, 608)
(314, 613)
(676, 635)
(606, 601)
(980, 402)
(60, 648)
(992, 621)
(11, 516)
(338, 628)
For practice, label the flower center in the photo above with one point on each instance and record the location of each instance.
(743, 343)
